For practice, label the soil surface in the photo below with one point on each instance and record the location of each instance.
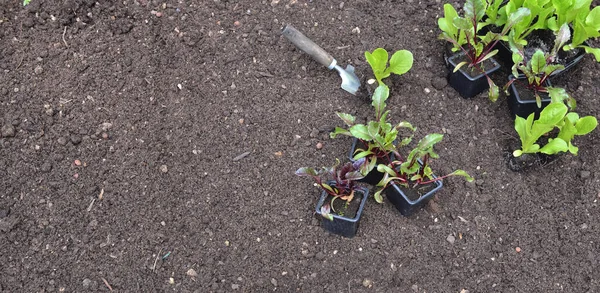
(150, 146)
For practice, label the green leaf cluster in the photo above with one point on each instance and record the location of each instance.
(400, 63)
(379, 135)
(552, 14)
(25, 2)
(462, 32)
(410, 170)
(554, 116)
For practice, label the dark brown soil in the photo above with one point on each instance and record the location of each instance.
(344, 208)
(151, 147)
(417, 192)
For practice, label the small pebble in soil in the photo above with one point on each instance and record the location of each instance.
(8, 130)
(77, 162)
(274, 282)
(585, 174)
(75, 139)
(192, 273)
(426, 90)
(314, 133)
(518, 249)
(46, 167)
(164, 168)
(319, 145)
(439, 82)
(295, 140)
(62, 141)
(38, 69)
(241, 156)
(237, 23)
(105, 135)
(87, 283)
(367, 283)
(451, 239)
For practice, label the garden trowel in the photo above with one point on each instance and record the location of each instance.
(350, 82)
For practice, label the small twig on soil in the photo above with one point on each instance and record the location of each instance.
(91, 204)
(101, 194)
(504, 132)
(63, 37)
(156, 260)
(349, 286)
(107, 284)
(343, 47)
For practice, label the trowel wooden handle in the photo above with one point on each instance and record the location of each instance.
(309, 47)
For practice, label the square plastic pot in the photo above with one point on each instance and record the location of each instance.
(466, 85)
(397, 196)
(342, 225)
(524, 107)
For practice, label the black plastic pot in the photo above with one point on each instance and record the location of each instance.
(571, 58)
(466, 84)
(342, 225)
(374, 176)
(398, 196)
(519, 104)
(528, 161)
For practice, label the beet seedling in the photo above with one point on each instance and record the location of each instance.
(344, 178)
(462, 32)
(410, 172)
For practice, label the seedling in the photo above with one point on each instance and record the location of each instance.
(553, 116)
(378, 135)
(399, 64)
(539, 68)
(343, 177)
(462, 32)
(409, 172)
(585, 23)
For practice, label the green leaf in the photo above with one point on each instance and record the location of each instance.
(516, 17)
(593, 18)
(586, 124)
(446, 24)
(378, 197)
(553, 113)
(593, 51)
(362, 154)
(405, 124)
(347, 118)
(462, 173)
(494, 91)
(378, 61)
(380, 95)
(555, 146)
(339, 131)
(25, 2)
(360, 131)
(306, 171)
(430, 140)
(462, 23)
(538, 62)
(474, 9)
(385, 169)
(401, 62)
(459, 65)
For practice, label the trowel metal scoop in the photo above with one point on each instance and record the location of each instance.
(350, 81)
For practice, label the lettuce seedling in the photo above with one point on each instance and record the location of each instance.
(555, 115)
(540, 12)
(462, 32)
(400, 63)
(584, 22)
(344, 178)
(409, 172)
(378, 135)
(539, 68)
